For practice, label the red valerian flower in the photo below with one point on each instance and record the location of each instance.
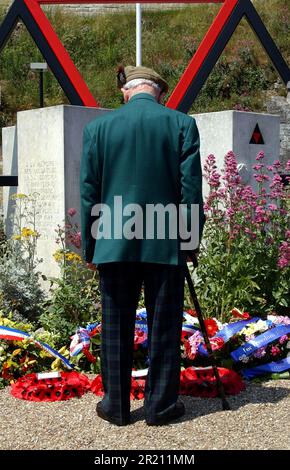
(211, 326)
(238, 314)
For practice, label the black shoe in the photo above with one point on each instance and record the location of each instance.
(111, 419)
(176, 413)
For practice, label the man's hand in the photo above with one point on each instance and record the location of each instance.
(92, 266)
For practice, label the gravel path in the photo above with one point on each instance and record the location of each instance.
(259, 420)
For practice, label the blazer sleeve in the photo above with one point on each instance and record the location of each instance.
(191, 174)
(90, 192)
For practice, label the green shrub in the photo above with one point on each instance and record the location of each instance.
(20, 289)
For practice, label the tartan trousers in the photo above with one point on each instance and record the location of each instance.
(120, 285)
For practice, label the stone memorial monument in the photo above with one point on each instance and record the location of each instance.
(245, 133)
(45, 149)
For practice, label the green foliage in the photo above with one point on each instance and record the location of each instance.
(74, 298)
(245, 254)
(73, 302)
(20, 289)
(18, 358)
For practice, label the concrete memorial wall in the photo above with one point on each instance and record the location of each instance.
(223, 131)
(49, 143)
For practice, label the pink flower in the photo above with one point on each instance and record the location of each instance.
(283, 262)
(276, 181)
(280, 319)
(258, 166)
(230, 212)
(260, 353)
(260, 210)
(275, 351)
(72, 211)
(211, 158)
(216, 343)
(284, 255)
(214, 179)
(77, 240)
(283, 339)
(258, 178)
(260, 156)
(272, 207)
(191, 345)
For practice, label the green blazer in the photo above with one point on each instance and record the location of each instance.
(144, 153)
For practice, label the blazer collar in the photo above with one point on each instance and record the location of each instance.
(142, 96)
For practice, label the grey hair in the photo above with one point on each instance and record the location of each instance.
(141, 81)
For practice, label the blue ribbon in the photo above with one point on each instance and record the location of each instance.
(271, 367)
(230, 330)
(141, 325)
(227, 332)
(262, 340)
(46, 347)
(141, 321)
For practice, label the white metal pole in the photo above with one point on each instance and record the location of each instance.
(138, 34)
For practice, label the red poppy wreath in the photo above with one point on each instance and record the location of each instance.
(195, 382)
(201, 382)
(67, 385)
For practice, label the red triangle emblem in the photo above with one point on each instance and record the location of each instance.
(257, 137)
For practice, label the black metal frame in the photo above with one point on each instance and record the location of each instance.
(247, 9)
(19, 10)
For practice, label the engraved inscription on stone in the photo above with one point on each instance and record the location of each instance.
(43, 176)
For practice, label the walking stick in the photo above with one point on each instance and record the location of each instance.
(220, 387)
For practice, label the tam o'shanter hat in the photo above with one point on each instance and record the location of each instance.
(126, 74)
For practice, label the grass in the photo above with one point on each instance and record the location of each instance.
(242, 77)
